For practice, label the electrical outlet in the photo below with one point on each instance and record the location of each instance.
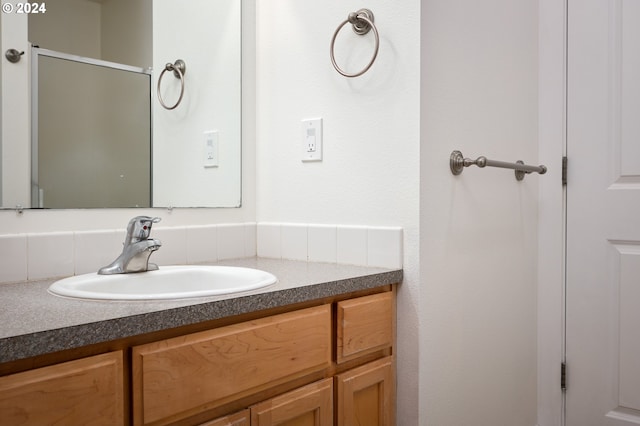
(311, 140)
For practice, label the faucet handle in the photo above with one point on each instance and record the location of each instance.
(139, 228)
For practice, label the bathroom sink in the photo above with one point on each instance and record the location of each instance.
(169, 282)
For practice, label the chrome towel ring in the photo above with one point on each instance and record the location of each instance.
(362, 22)
(179, 68)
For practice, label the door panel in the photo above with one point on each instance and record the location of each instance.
(603, 213)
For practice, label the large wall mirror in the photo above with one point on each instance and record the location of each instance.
(98, 136)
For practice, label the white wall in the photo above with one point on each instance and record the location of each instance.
(370, 170)
(478, 231)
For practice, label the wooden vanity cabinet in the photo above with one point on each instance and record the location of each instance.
(320, 363)
(87, 391)
(363, 392)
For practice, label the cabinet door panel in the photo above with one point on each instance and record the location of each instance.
(87, 391)
(365, 395)
(243, 418)
(365, 325)
(179, 377)
(311, 405)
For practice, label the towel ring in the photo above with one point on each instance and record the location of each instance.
(362, 22)
(179, 68)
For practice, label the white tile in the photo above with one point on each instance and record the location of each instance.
(50, 255)
(13, 258)
(352, 245)
(294, 241)
(202, 244)
(231, 241)
(385, 247)
(174, 246)
(95, 249)
(269, 240)
(250, 239)
(322, 243)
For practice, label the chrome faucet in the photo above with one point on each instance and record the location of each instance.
(137, 248)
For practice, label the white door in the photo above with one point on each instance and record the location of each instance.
(603, 208)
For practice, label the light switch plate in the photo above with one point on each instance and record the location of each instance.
(311, 139)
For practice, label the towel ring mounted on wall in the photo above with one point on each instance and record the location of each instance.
(362, 22)
(179, 68)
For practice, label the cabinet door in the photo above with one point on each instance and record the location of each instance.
(180, 377)
(366, 395)
(311, 405)
(242, 418)
(87, 391)
(365, 325)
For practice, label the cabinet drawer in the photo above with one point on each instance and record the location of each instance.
(87, 391)
(179, 377)
(365, 325)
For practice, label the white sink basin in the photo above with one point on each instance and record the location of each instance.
(169, 282)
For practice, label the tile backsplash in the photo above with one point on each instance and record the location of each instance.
(355, 245)
(27, 257)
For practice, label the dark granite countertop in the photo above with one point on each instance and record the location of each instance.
(34, 322)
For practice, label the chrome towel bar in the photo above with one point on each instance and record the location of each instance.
(457, 163)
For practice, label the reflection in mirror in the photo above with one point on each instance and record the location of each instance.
(96, 151)
(142, 34)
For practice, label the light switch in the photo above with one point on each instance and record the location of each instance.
(311, 140)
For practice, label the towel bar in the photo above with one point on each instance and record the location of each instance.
(457, 163)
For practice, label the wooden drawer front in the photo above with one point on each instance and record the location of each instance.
(179, 377)
(365, 325)
(310, 405)
(87, 391)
